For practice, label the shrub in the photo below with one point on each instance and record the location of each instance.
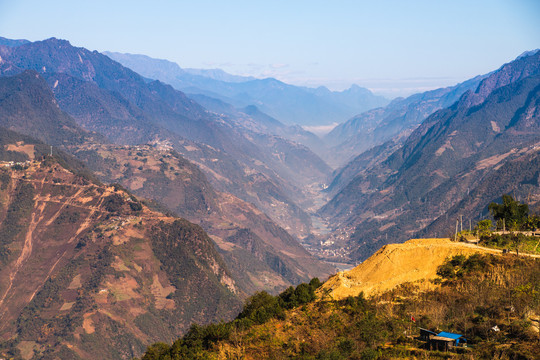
(113, 203)
(261, 307)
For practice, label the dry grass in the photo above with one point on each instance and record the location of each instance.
(88, 323)
(27, 349)
(393, 265)
(22, 148)
(160, 294)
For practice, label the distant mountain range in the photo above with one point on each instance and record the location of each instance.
(399, 118)
(12, 42)
(290, 104)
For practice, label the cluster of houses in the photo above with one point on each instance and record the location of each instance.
(10, 164)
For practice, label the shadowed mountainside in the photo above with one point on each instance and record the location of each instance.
(454, 151)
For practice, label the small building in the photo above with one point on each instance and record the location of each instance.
(426, 334)
(445, 341)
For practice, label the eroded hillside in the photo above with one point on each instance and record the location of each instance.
(88, 271)
(261, 254)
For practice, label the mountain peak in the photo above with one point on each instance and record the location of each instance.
(56, 42)
(356, 89)
(528, 53)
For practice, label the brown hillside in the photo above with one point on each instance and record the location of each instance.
(413, 261)
(87, 271)
(260, 254)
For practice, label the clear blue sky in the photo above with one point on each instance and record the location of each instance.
(391, 46)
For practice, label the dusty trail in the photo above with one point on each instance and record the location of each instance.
(85, 225)
(26, 251)
(36, 218)
(68, 201)
(497, 251)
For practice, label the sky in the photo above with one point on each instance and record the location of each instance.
(392, 47)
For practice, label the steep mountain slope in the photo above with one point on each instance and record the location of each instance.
(454, 151)
(104, 96)
(288, 103)
(28, 105)
(399, 118)
(519, 176)
(88, 272)
(256, 250)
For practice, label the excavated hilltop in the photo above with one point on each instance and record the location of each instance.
(395, 264)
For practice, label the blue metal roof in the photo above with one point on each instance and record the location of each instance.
(449, 335)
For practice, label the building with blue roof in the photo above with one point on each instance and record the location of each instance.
(445, 341)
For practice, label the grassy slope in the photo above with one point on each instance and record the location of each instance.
(476, 293)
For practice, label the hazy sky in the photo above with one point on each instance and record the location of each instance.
(392, 47)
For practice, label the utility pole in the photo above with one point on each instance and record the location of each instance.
(51, 151)
(470, 226)
(455, 235)
(461, 222)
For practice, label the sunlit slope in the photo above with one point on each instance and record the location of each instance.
(413, 261)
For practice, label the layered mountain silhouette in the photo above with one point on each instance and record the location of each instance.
(106, 97)
(396, 120)
(92, 270)
(89, 264)
(186, 190)
(287, 103)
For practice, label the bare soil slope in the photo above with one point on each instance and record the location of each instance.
(395, 264)
(88, 272)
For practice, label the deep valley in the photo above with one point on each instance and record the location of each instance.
(151, 210)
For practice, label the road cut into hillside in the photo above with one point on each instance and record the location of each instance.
(414, 261)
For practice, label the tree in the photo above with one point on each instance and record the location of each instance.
(513, 213)
(261, 307)
(484, 227)
(532, 223)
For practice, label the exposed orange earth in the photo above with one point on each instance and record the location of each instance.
(395, 264)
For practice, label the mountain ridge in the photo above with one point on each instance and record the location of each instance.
(153, 111)
(269, 94)
(448, 155)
